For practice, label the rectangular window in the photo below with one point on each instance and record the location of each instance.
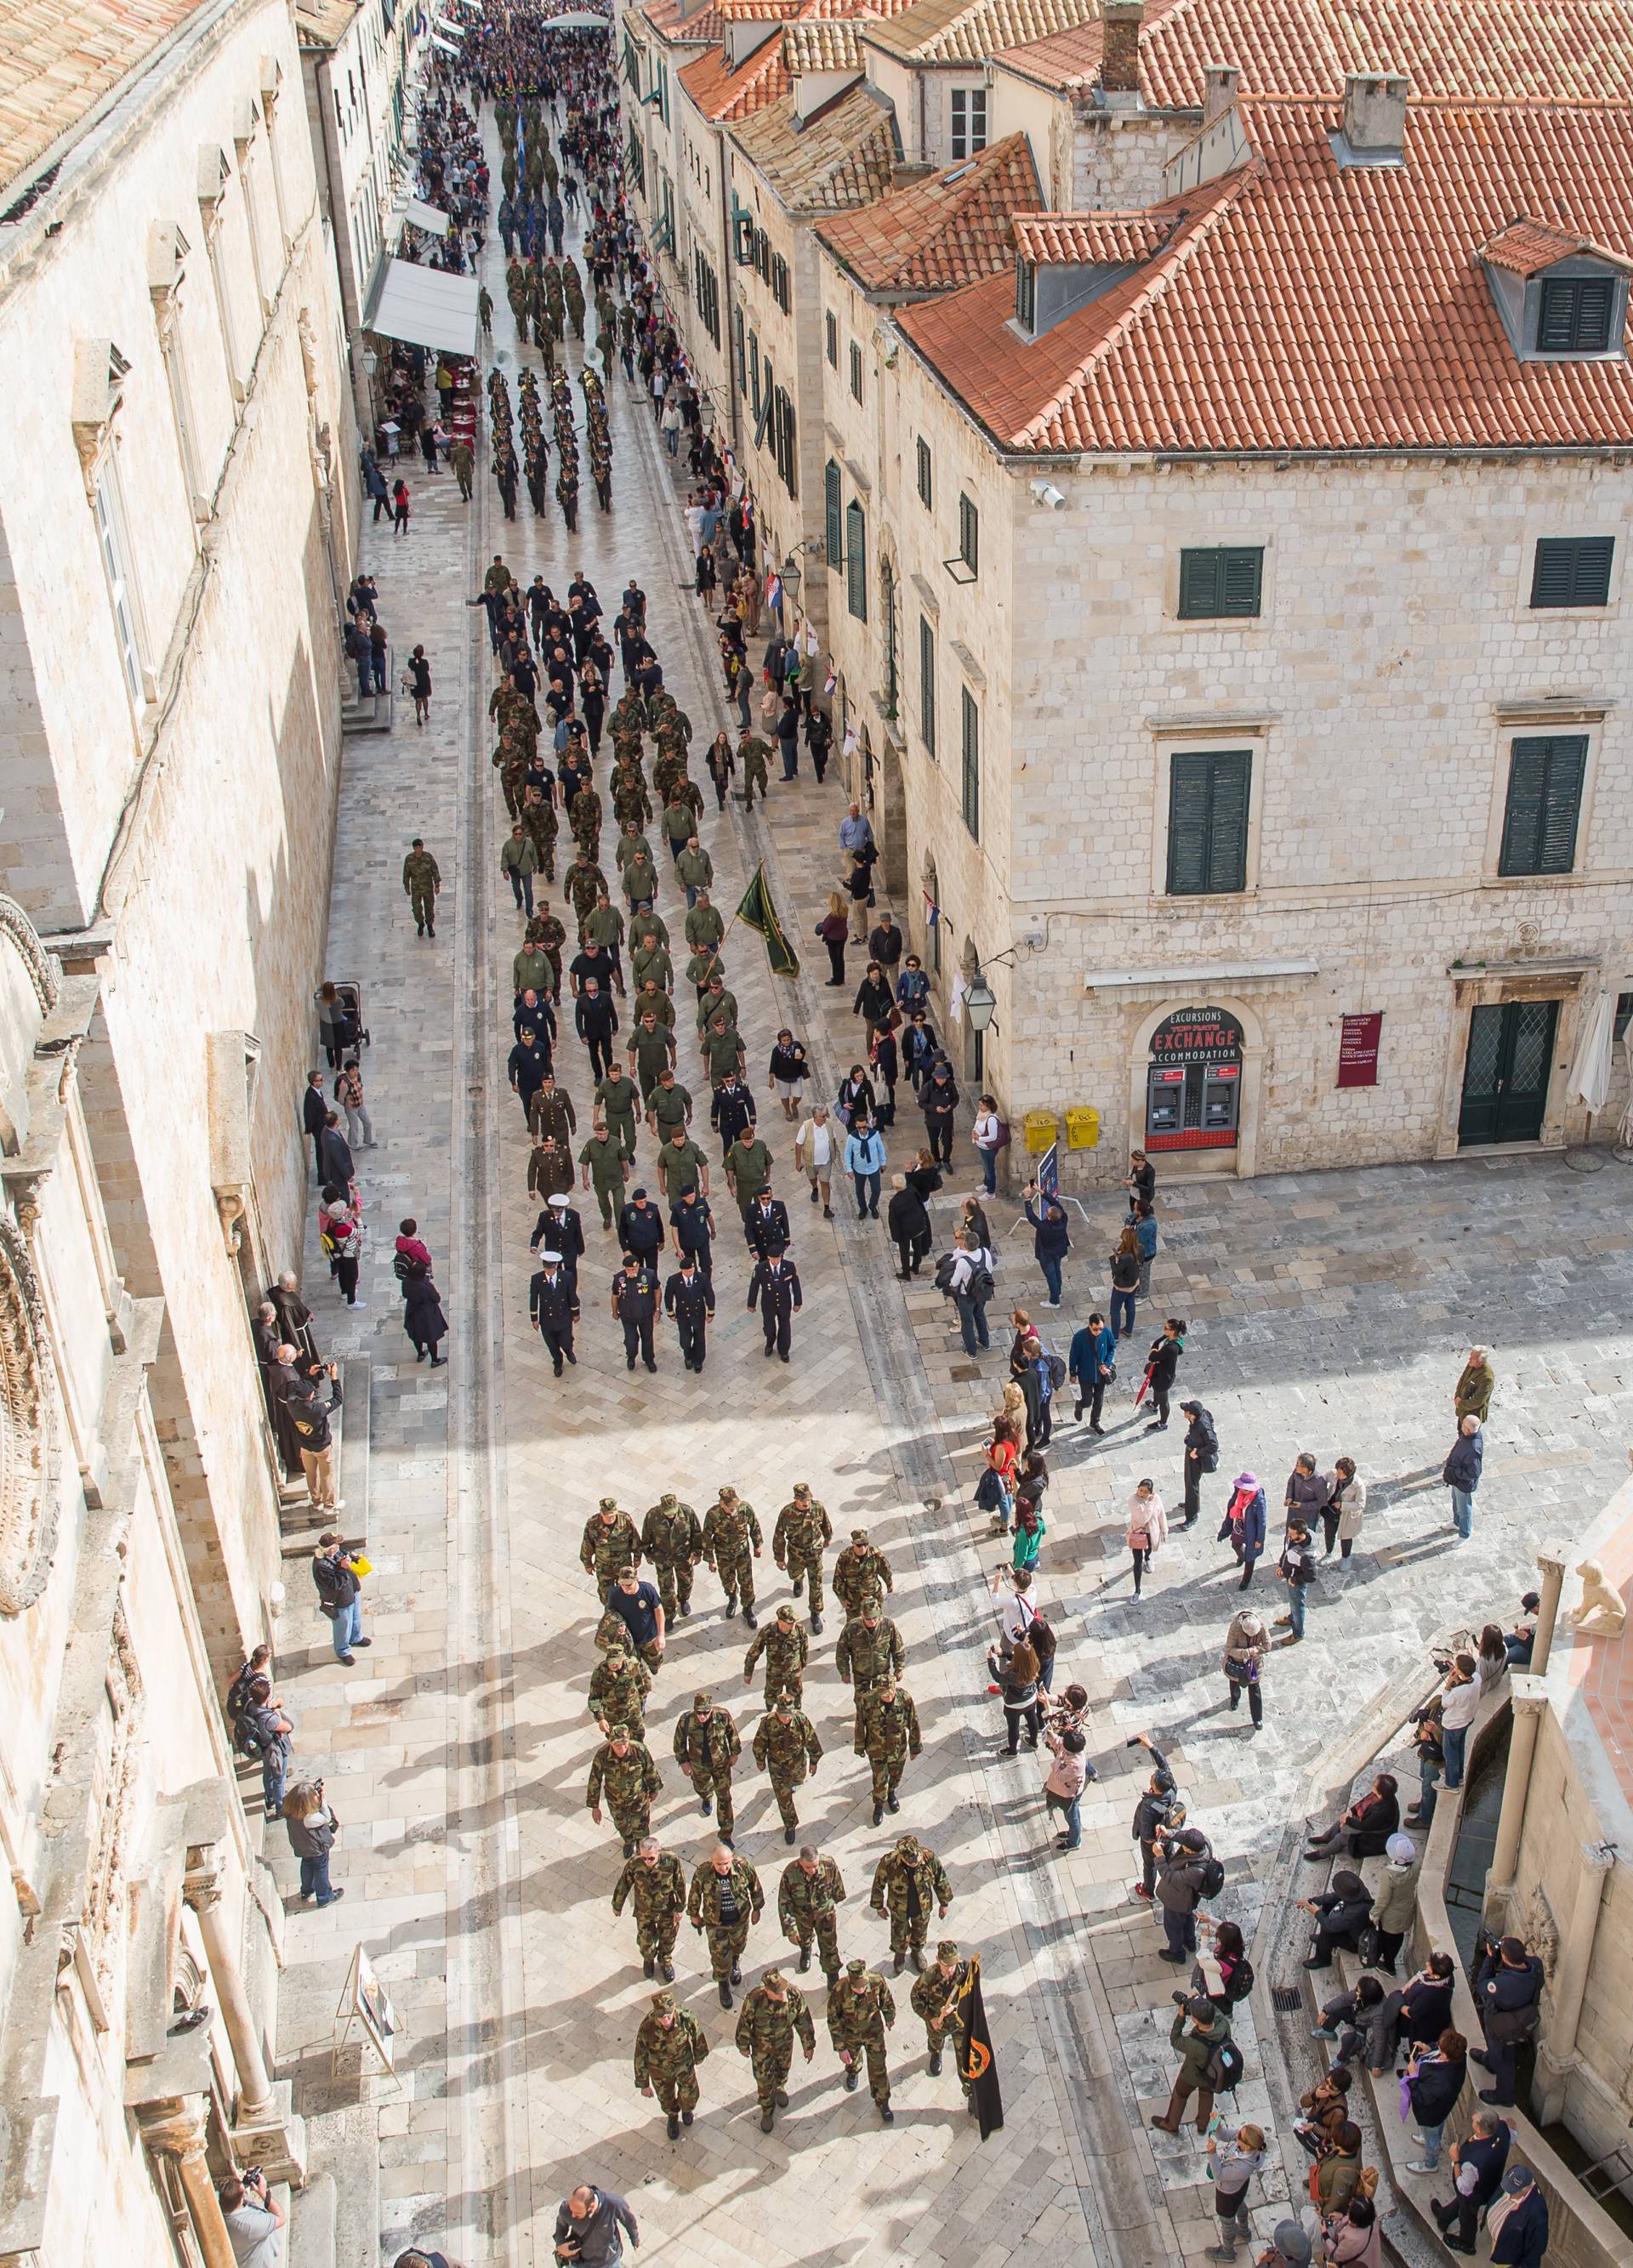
(856, 370)
(783, 440)
(925, 489)
(969, 121)
(1223, 581)
(113, 543)
(927, 684)
(780, 281)
(969, 535)
(1208, 822)
(754, 373)
(1544, 805)
(857, 560)
(970, 755)
(708, 295)
(833, 518)
(742, 358)
(1572, 571)
(1574, 317)
(768, 396)
(831, 323)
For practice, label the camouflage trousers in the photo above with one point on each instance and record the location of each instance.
(676, 2095)
(910, 1930)
(783, 1790)
(824, 1929)
(808, 1570)
(738, 1579)
(887, 1774)
(655, 1939)
(770, 2067)
(632, 1820)
(716, 1787)
(673, 1577)
(727, 1947)
(871, 2047)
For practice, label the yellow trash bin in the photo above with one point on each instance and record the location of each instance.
(1083, 1130)
(1042, 1128)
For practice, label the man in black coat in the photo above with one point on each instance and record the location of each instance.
(692, 1226)
(1507, 1991)
(908, 1220)
(689, 1296)
(315, 1117)
(559, 1229)
(635, 1304)
(641, 1227)
(732, 1112)
(553, 1307)
(334, 1154)
(775, 1291)
(1477, 2167)
(595, 1020)
(765, 1224)
(1161, 1364)
(529, 1067)
(1201, 1456)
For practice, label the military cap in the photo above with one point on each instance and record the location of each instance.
(663, 2003)
(783, 1701)
(801, 1488)
(857, 1967)
(637, 1193)
(947, 1949)
(618, 1733)
(553, 1259)
(906, 1842)
(858, 1535)
(609, 1504)
(775, 1978)
(785, 1613)
(700, 1701)
(560, 1199)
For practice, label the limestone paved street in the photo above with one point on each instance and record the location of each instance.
(1327, 1312)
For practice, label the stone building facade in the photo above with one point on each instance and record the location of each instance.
(175, 541)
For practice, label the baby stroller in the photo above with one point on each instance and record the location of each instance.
(340, 1021)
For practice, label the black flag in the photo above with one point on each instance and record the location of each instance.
(978, 2066)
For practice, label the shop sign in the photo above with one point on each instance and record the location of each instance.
(1198, 1036)
(1358, 1039)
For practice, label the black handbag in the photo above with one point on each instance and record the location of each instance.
(988, 1491)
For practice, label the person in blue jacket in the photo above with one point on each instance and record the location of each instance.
(864, 1161)
(1092, 1364)
(1461, 1474)
(1050, 1239)
(1522, 2239)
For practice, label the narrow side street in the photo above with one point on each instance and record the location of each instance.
(1331, 1313)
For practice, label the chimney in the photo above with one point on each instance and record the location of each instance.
(1120, 55)
(1375, 109)
(1222, 83)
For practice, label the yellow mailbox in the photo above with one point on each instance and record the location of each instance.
(1083, 1130)
(1042, 1128)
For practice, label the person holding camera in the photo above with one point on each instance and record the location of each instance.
(310, 1825)
(1153, 1814)
(339, 1583)
(254, 2217)
(591, 2225)
(1186, 1869)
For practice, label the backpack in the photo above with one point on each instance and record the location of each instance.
(1222, 2071)
(1057, 1372)
(1241, 1982)
(1213, 1876)
(247, 1738)
(981, 1287)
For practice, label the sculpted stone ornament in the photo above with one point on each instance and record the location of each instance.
(1600, 1613)
(29, 1507)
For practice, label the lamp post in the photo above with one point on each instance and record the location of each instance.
(980, 1003)
(792, 577)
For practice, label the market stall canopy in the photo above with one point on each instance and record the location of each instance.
(430, 218)
(425, 307)
(577, 19)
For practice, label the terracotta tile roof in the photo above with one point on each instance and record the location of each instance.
(725, 94)
(1300, 305)
(665, 19)
(843, 158)
(324, 23)
(1478, 50)
(1090, 239)
(59, 58)
(938, 234)
(821, 46)
(1529, 247)
(968, 31)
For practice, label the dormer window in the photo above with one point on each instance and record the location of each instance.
(1066, 261)
(1561, 298)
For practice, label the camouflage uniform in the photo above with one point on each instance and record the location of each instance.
(808, 1907)
(751, 755)
(629, 1782)
(618, 1688)
(421, 880)
(771, 2014)
(907, 1883)
(803, 1532)
(583, 882)
(607, 1546)
(731, 1537)
(585, 820)
(787, 1649)
(706, 1749)
(667, 2056)
(786, 1747)
(865, 1658)
(672, 1537)
(861, 1571)
(934, 1998)
(859, 2011)
(727, 1940)
(656, 1894)
(887, 1734)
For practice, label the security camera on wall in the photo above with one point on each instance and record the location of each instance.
(1046, 493)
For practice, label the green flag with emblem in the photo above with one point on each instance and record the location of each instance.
(758, 912)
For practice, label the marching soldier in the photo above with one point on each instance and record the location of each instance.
(618, 1688)
(668, 2047)
(861, 2010)
(860, 1568)
(460, 453)
(609, 1544)
(871, 1650)
(672, 1537)
(803, 1533)
(906, 1882)
(934, 1998)
(634, 1302)
(751, 755)
(653, 1886)
(726, 1897)
(731, 1544)
(623, 1769)
(707, 1744)
(786, 1747)
(618, 1101)
(787, 1649)
(689, 1296)
(887, 1734)
(809, 1898)
(774, 1289)
(422, 884)
(772, 2013)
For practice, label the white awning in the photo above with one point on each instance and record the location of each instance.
(425, 307)
(451, 46)
(577, 19)
(432, 219)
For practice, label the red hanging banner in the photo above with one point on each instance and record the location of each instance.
(1358, 1039)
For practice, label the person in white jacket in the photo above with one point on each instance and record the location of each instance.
(1147, 1529)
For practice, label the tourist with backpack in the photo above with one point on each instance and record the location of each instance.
(1157, 1812)
(1226, 1974)
(1210, 2064)
(1092, 1366)
(964, 1275)
(262, 1731)
(1187, 1872)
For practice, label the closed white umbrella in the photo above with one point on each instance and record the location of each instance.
(1590, 1071)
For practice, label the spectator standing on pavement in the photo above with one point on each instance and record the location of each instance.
(1244, 1525)
(1125, 1265)
(969, 1284)
(987, 1134)
(813, 1155)
(1160, 1364)
(1236, 2154)
(1147, 1529)
(310, 1825)
(314, 1118)
(1508, 1993)
(1182, 1872)
(255, 2220)
(348, 1095)
(1202, 1456)
(1143, 1222)
(1247, 1643)
(1345, 1509)
(938, 1099)
(1152, 1816)
(310, 1403)
(1518, 2222)
(1050, 1239)
(1063, 1789)
(1297, 1569)
(1459, 1705)
(1461, 1474)
(908, 1222)
(1477, 2167)
(339, 1585)
(423, 1319)
(1435, 2081)
(1199, 2030)
(865, 1163)
(1475, 1387)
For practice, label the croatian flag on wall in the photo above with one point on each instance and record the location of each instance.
(773, 590)
(932, 912)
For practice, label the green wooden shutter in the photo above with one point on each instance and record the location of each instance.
(1243, 573)
(856, 561)
(767, 388)
(970, 751)
(924, 473)
(833, 528)
(927, 684)
(1544, 805)
(969, 534)
(1572, 571)
(1200, 580)
(1219, 581)
(1207, 808)
(1575, 316)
